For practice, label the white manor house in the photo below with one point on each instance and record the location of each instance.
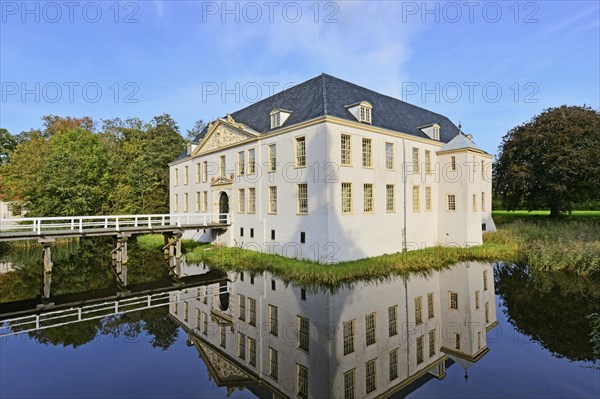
(331, 171)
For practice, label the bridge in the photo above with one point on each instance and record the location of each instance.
(46, 230)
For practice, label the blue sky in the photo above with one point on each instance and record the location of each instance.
(489, 65)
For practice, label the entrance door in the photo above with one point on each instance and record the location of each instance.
(223, 207)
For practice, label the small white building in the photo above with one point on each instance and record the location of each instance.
(331, 171)
(366, 341)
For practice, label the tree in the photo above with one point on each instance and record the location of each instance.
(196, 130)
(550, 161)
(7, 145)
(54, 124)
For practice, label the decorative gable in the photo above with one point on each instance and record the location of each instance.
(222, 134)
(361, 111)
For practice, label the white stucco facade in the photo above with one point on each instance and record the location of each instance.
(419, 217)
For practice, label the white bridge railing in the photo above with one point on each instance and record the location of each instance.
(114, 223)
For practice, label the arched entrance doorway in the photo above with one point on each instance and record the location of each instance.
(223, 207)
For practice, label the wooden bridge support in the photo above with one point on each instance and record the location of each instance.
(120, 259)
(47, 270)
(172, 253)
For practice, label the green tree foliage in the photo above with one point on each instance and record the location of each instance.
(68, 169)
(7, 145)
(550, 161)
(196, 130)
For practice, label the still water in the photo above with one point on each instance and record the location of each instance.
(472, 330)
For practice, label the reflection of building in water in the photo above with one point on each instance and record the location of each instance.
(369, 340)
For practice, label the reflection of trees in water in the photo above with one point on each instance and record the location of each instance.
(155, 322)
(551, 308)
(79, 266)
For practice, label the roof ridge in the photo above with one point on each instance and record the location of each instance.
(324, 93)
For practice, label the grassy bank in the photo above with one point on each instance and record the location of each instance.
(567, 245)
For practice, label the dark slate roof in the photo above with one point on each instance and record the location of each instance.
(328, 95)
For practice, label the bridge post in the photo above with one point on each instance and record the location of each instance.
(172, 253)
(47, 268)
(120, 259)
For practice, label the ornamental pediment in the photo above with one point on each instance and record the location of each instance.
(220, 181)
(223, 133)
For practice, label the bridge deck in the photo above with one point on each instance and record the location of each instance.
(95, 226)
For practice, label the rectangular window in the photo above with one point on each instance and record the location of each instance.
(302, 198)
(487, 312)
(393, 320)
(456, 341)
(252, 352)
(273, 199)
(348, 337)
(302, 381)
(346, 197)
(241, 307)
(198, 202)
(476, 299)
(251, 162)
(365, 114)
(419, 310)
(251, 200)
(346, 150)
(482, 202)
(272, 158)
(204, 323)
(474, 202)
(453, 163)
(415, 159)
(367, 197)
(241, 200)
(204, 201)
(485, 278)
(198, 172)
(428, 199)
(185, 202)
(186, 308)
(241, 346)
(241, 163)
(303, 333)
(252, 311)
(186, 175)
(436, 133)
(222, 166)
(416, 199)
(483, 169)
(176, 203)
(427, 161)
(478, 339)
(198, 319)
(204, 172)
(273, 320)
(300, 152)
(453, 300)
(367, 153)
(370, 336)
(431, 343)
(349, 384)
(430, 306)
(223, 342)
(393, 364)
(420, 350)
(371, 376)
(275, 120)
(176, 177)
(451, 199)
(389, 156)
(390, 202)
(273, 364)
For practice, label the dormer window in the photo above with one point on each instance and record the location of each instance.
(278, 117)
(365, 114)
(433, 131)
(436, 132)
(361, 111)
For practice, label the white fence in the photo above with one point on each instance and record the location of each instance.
(114, 223)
